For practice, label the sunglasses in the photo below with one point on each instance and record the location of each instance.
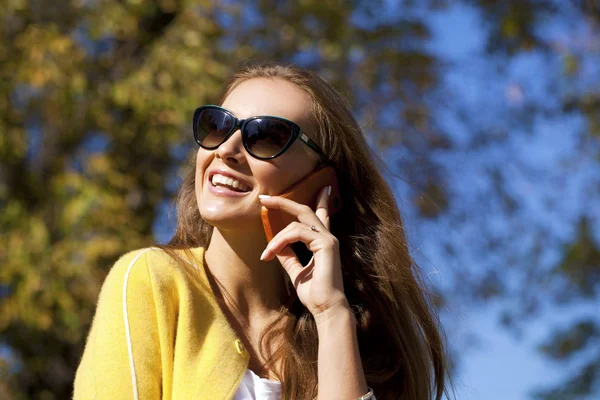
(264, 137)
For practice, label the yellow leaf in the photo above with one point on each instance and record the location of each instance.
(61, 44)
(38, 78)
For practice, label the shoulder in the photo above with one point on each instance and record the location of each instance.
(152, 269)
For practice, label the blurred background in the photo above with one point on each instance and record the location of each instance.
(487, 114)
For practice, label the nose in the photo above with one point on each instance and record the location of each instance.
(232, 150)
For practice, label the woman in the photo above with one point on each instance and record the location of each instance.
(213, 315)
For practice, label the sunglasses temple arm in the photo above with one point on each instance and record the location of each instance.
(311, 144)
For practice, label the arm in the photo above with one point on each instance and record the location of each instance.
(340, 369)
(121, 359)
(320, 288)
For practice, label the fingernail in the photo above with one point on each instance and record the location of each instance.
(262, 256)
(263, 196)
(328, 190)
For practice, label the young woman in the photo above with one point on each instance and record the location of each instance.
(219, 313)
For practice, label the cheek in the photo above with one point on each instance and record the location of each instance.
(285, 171)
(203, 159)
(274, 181)
(268, 176)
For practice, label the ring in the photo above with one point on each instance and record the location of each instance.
(312, 228)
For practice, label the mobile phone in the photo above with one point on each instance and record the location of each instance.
(305, 191)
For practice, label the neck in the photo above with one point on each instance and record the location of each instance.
(252, 288)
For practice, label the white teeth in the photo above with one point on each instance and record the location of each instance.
(226, 181)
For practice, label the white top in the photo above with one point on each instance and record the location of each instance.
(253, 387)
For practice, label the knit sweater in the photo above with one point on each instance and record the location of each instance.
(158, 333)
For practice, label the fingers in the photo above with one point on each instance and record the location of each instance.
(278, 246)
(290, 263)
(298, 232)
(304, 214)
(294, 232)
(322, 210)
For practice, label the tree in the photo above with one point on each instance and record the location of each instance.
(94, 96)
(96, 102)
(555, 262)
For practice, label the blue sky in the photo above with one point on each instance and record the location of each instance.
(498, 364)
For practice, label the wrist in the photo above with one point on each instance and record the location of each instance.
(339, 313)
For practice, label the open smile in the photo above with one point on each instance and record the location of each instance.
(222, 182)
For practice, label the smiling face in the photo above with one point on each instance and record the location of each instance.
(233, 209)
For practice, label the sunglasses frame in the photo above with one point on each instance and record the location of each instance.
(240, 124)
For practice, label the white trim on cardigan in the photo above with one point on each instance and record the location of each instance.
(126, 318)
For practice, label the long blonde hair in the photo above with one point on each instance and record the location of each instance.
(401, 347)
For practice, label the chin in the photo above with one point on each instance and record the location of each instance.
(224, 220)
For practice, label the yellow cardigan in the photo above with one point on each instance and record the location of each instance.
(158, 333)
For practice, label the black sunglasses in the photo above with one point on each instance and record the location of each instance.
(264, 137)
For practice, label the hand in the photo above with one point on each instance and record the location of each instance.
(319, 284)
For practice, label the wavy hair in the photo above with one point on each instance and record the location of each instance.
(399, 335)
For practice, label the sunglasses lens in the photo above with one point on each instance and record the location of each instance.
(266, 137)
(212, 127)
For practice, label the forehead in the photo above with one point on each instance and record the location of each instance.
(263, 96)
